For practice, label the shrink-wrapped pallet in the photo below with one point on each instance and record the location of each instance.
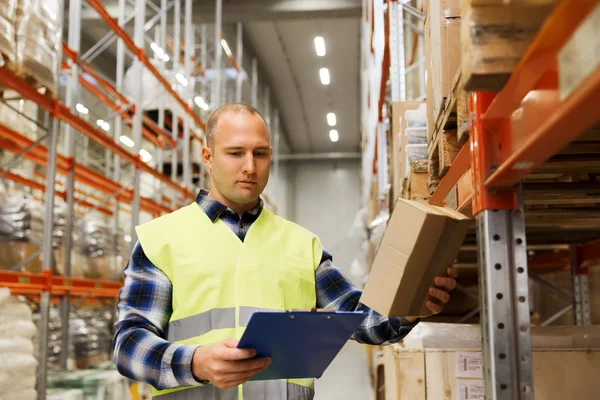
(7, 32)
(38, 39)
(98, 250)
(21, 231)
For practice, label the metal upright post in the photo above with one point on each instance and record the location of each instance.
(138, 39)
(254, 98)
(175, 113)
(239, 60)
(158, 151)
(204, 60)
(47, 253)
(581, 288)
(218, 53)
(72, 97)
(276, 149)
(503, 281)
(189, 53)
(267, 109)
(397, 62)
(118, 123)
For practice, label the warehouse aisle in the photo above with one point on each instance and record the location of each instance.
(347, 377)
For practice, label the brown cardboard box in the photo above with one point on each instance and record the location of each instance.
(420, 243)
(494, 38)
(398, 127)
(442, 32)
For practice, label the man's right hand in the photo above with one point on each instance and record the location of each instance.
(226, 366)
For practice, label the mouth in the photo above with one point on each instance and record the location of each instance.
(248, 183)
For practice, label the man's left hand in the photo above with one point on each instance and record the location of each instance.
(439, 292)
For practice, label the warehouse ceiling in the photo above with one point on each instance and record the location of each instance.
(280, 34)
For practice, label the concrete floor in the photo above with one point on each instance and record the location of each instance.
(347, 378)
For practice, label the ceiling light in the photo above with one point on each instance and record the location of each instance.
(205, 107)
(160, 53)
(320, 46)
(226, 47)
(181, 79)
(81, 109)
(333, 135)
(127, 238)
(126, 141)
(324, 72)
(331, 120)
(145, 155)
(103, 124)
(199, 101)
(166, 57)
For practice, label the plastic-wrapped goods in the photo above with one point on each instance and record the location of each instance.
(64, 394)
(7, 32)
(95, 384)
(39, 31)
(90, 338)
(17, 361)
(468, 336)
(98, 250)
(416, 118)
(27, 394)
(22, 219)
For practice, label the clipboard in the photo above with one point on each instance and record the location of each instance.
(301, 344)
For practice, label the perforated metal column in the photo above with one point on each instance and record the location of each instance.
(504, 298)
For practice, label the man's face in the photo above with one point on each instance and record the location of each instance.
(240, 159)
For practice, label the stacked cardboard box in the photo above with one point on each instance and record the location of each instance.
(495, 36)
(442, 53)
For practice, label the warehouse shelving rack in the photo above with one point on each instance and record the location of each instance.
(115, 194)
(512, 133)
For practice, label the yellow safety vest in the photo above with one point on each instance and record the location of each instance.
(219, 281)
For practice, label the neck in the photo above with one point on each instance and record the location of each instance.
(238, 208)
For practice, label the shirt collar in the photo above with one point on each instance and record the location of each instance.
(214, 209)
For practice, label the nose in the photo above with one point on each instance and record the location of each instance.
(249, 167)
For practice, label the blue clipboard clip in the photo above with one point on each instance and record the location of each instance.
(301, 344)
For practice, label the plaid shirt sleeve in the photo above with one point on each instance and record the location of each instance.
(335, 291)
(141, 351)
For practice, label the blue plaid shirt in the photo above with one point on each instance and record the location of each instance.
(141, 351)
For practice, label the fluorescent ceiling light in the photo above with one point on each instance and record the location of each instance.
(82, 109)
(331, 120)
(160, 53)
(103, 124)
(145, 155)
(127, 238)
(166, 57)
(205, 107)
(324, 73)
(126, 141)
(181, 79)
(333, 135)
(226, 47)
(320, 46)
(199, 101)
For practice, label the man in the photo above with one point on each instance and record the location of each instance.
(196, 276)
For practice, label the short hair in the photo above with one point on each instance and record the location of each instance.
(236, 108)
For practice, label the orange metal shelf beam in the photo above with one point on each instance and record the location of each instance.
(15, 142)
(62, 194)
(101, 10)
(544, 123)
(232, 59)
(58, 110)
(27, 283)
(459, 167)
(127, 115)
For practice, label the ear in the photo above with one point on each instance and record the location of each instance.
(207, 157)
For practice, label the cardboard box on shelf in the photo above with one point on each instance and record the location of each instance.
(457, 374)
(443, 50)
(495, 37)
(399, 141)
(420, 243)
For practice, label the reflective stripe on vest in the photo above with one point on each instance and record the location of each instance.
(259, 390)
(217, 318)
(219, 282)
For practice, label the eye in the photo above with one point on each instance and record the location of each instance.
(261, 154)
(235, 153)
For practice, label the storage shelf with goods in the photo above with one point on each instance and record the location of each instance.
(514, 142)
(89, 150)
